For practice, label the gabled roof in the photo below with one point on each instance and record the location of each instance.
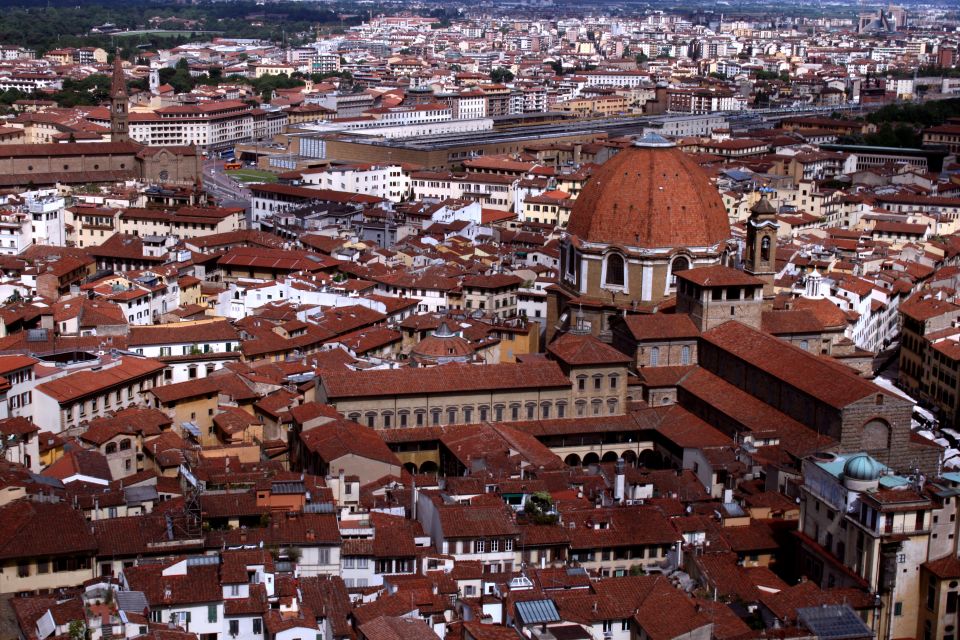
(33, 529)
(576, 349)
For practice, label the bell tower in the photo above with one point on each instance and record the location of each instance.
(760, 259)
(119, 103)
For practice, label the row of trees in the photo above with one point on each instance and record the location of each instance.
(67, 23)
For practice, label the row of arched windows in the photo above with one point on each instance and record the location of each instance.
(615, 270)
(111, 447)
(469, 414)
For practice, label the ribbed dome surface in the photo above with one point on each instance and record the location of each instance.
(861, 468)
(443, 343)
(651, 196)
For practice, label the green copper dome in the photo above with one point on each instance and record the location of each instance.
(862, 467)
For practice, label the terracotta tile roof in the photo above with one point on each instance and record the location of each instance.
(228, 384)
(130, 421)
(11, 363)
(826, 381)
(85, 383)
(327, 597)
(459, 377)
(650, 197)
(290, 528)
(719, 276)
(575, 349)
(339, 438)
(33, 529)
(475, 520)
(84, 462)
(134, 536)
(661, 326)
(17, 427)
(397, 628)
(198, 585)
(193, 332)
(256, 603)
(945, 568)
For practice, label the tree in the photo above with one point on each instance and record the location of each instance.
(539, 508)
(500, 75)
(77, 630)
(642, 58)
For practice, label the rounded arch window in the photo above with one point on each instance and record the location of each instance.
(616, 269)
(876, 435)
(765, 248)
(680, 263)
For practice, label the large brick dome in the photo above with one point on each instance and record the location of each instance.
(651, 196)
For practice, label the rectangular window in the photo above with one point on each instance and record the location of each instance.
(211, 613)
(234, 627)
(257, 626)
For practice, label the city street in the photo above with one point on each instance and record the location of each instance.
(221, 186)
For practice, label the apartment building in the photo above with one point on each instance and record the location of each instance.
(65, 403)
(183, 223)
(210, 125)
(387, 181)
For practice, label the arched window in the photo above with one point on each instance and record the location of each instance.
(654, 356)
(581, 408)
(354, 416)
(571, 257)
(612, 406)
(615, 270)
(685, 355)
(125, 444)
(805, 345)
(876, 435)
(765, 249)
(680, 263)
(110, 448)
